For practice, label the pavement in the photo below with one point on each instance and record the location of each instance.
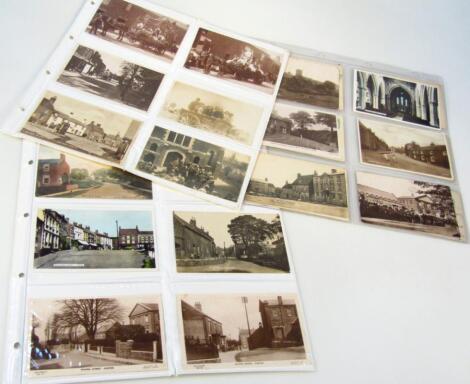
(301, 142)
(75, 259)
(230, 266)
(108, 191)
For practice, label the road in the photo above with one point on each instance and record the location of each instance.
(73, 359)
(230, 266)
(77, 143)
(229, 356)
(272, 354)
(305, 207)
(108, 191)
(91, 259)
(401, 161)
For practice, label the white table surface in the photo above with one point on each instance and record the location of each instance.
(382, 306)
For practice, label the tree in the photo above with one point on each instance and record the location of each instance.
(302, 119)
(79, 174)
(87, 313)
(249, 232)
(129, 72)
(326, 119)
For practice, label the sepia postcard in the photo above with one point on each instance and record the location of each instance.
(194, 164)
(307, 81)
(129, 25)
(63, 121)
(305, 130)
(404, 148)
(234, 60)
(413, 205)
(212, 112)
(93, 239)
(300, 186)
(111, 77)
(242, 331)
(220, 242)
(84, 336)
(399, 99)
(62, 175)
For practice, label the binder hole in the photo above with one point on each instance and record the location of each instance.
(30, 162)
(21, 275)
(48, 72)
(16, 345)
(71, 37)
(22, 109)
(92, 3)
(26, 214)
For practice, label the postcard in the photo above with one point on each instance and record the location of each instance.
(82, 127)
(212, 112)
(220, 242)
(94, 335)
(413, 205)
(404, 148)
(242, 331)
(311, 82)
(305, 130)
(93, 239)
(300, 186)
(129, 25)
(111, 77)
(61, 175)
(398, 99)
(234, 60)
(194, 164)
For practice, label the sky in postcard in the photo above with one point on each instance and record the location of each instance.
(314, 69)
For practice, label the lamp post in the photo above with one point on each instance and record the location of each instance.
(244, 301)
(117, 234)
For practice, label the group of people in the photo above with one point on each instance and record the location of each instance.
(192, 174)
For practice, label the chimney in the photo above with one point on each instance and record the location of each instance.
(198, 306)
(298, 175)
(87, 227)
(266, 179)
(192, 221)
(62, 157)
(333, 171)
(279, 300)
(298, 72)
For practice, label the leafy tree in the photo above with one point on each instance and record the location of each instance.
(326, 119)
(127, 332)
(79, 174)
(248, 231)
(87, 313)
(302, 119)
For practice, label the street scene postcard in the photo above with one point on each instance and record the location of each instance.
(230, 331)
(84, 336)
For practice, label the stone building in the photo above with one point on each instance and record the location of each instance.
(165, 148)
(135, 238)
(391, 97)
(147, 315)
(279, 325)
(262, 187)
(95, 132)
(44, 111)
(326, 188)
(432, 154)
(279, 126)
(50, 231)
(191, 241)
(200, 327)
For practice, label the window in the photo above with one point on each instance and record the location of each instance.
(171, 136)
(146, 318)
(46, 167)
(153, 147)
(179, 139)
(46, 180)
(186, 141)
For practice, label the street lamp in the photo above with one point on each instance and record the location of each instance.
(244, 301)
(117, 234)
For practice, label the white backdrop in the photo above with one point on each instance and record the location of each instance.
(382, 306)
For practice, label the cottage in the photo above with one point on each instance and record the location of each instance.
(147, 315)
(191, 241)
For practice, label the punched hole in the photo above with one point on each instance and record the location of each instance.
(30, 162)
(71, 37)
(48, 72)
(26, 214)
(21, 275)
(22, 109)
(16, 345)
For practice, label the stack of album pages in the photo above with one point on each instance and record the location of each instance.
(115, 277)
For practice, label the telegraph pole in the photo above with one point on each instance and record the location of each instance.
(244, 301)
